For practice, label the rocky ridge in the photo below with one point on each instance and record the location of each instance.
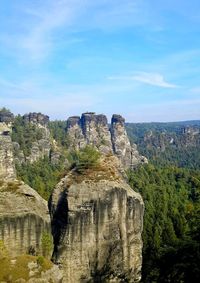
(94, 130)
(96, 218)
(89, 129)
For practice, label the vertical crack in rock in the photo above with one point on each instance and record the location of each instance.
(97, 230)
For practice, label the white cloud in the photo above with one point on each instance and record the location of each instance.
(154, 79)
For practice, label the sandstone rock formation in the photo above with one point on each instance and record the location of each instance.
(24, 217)
(127, 154)
(41, 147)
(7, 168)
(37, 118)
(94, 130)
(23, 213)
(97, 224)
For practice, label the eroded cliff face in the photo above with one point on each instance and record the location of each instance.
(97, 224)
(127, 153)
(41, 147)
(7, 167)
(94, 130)
(24, 217)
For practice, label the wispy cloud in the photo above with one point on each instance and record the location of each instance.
(39, 22)
(38, 42)
(154, 79)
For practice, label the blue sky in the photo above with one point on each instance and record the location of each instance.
(138, 58)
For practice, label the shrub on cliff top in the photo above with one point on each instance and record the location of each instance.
(85, 158)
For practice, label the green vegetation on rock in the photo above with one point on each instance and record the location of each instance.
(86, 158)
(42, 175)
(25, 134)
(47, 244)
(13, 269)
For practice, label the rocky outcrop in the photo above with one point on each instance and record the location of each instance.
(127, 153)
(6, 116)
(23, 213)
(94, 130)
(97, 224)
(7, 168)
(89, 129)
(36, 118)
(41, 147)
(24, 217)
(75, 134)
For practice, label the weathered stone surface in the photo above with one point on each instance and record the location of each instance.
(42, 147)
(93, 129)
(7, 168)
(75, 134)
(127, 153)
(97, 225)
(23, 217)
(53, 275)
(6, 116)
(36, 118)
(89, 129)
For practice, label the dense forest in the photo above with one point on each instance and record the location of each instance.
(166, 144)
(171, 236)
(169, 185)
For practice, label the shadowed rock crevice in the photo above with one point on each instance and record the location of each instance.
(97, 230)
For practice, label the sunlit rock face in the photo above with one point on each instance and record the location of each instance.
(97, 228)
(42, 146)
(24, 218)
(75, 134)
(89, 129)
(7, 168)
(24, 214)
(36, 118)
(92, 129)
(127, 153)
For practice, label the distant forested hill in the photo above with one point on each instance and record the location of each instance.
(175, 143)
(170, 186)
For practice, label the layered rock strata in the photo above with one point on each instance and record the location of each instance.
(24, 217)
(94, 130)
(97, 228)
